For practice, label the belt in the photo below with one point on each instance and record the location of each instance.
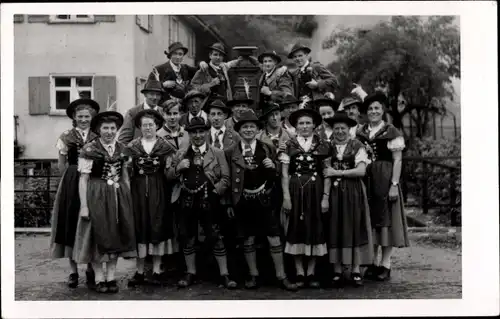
(253, 193)
(196, 190)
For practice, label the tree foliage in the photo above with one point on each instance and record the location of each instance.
(414, 57)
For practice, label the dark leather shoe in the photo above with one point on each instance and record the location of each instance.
(338, 280)
(137, 280)
(73, 280)
(384, 275)
(228, 283)
(372, 272)
(300, 281)
(156, 279)
(112, 287)
(187, 281)
(312, 282)
(90, 277)
(288, 285)
(356, 279)
(101, 287)
(251, 282)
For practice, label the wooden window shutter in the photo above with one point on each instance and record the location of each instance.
(170, 25)
(38, 18)
(104, 86)
(150, 23)
(104, 18)
(39, 95)
(18, 18)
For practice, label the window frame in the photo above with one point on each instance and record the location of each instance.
(145, 22)
(73, 89)
(72, 19)
(171, 31)
(191, 43)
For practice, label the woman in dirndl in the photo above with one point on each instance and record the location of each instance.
(326, 108)
(105, 229)
(305, 195)
(67, 201)
(349, 229)
(153, 220)
(384, 144)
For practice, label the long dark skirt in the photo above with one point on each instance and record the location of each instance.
(349, 226)
(65, 214)
(388, 220)
(153, 220)
(110, 232)
(305, 235)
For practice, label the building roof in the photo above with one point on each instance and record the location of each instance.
(196, 22)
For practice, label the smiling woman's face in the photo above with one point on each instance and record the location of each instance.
(375, 112)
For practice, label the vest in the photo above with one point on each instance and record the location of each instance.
(303, 88)
(222, 87)
(194, 176)
(254, 178)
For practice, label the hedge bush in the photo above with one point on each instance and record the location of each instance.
(439, 179)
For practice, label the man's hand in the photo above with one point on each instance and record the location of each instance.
(184, 164)
(268, 163)
(215, 82)
(169, 84)
(265, 90)
(312, 84)
(203, 65)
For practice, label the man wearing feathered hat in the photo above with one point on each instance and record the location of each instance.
(153, 93)
(220, 136)
(202, 175)
(174, 75)
(311, 79)
(253, 178)
(275, 82)
(215, 79)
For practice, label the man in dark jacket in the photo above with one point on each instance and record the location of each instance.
(252, 165)
(174, 75)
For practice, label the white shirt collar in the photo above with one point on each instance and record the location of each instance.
(306, 145)
(176, 68)
(373, 130)
(85, 132)
(213, 130)
(215, 67)
(149, 107)
(106, 146)
(200, 114)
(268, 74)
(305, 66)
(201, 148)
(253, 145)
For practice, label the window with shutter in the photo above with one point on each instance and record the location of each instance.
(18, 18)
(173, 30)
(75, 18)
(145, 22)
(65, 88)
(104, 18)
(38, 18)
(39, 95)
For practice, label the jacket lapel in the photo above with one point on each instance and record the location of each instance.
(227, 140)
(237, 157)
(209, 157)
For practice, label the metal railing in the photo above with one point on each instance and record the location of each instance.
(36, 182)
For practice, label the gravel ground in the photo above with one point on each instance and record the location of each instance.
(428, 269)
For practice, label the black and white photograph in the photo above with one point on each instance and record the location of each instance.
(216, 154)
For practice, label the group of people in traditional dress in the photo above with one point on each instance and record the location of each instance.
(305, 175)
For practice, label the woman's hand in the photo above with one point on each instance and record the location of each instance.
(84, 213)
(325, 204)
(393, 193)
(287, 205)
(331, 172)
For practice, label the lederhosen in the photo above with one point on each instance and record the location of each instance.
(198, 202)
(220, 89)
(255, 211)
